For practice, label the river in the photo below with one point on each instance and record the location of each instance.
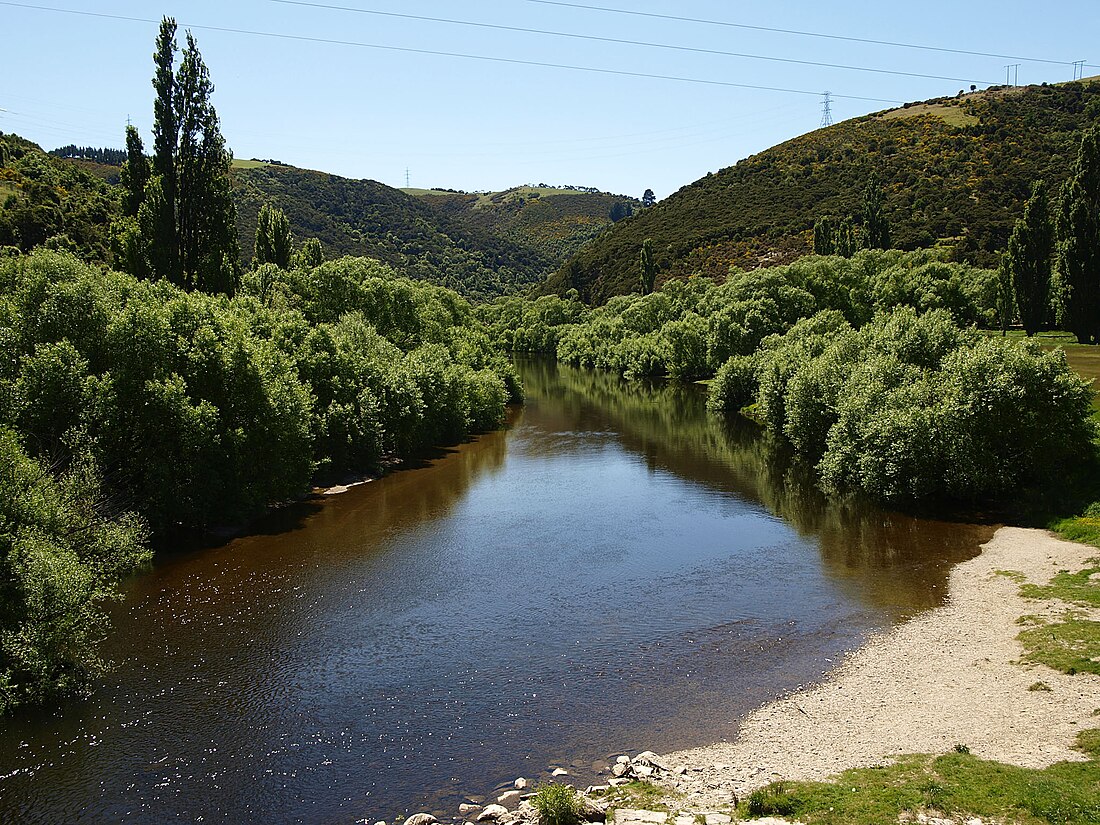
(615, 571)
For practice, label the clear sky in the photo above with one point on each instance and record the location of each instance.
(350, 108)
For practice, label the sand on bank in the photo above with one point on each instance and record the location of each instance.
(950, 676)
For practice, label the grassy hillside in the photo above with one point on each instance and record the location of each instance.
(955, 171)
(553, 221)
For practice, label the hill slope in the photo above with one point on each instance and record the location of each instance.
(553, 221)
(955, 170)
(364, 217)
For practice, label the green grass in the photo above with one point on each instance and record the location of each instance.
(1076, 588)
(1070, 646)
(958, 784)
(238, 163)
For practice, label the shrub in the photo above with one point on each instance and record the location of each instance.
(556, 804)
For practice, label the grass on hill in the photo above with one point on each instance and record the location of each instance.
(951, 114)
(239, 163)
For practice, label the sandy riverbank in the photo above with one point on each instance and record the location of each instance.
(948, 676)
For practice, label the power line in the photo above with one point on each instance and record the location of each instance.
(822, 35)
(623, 41)
(481, 57)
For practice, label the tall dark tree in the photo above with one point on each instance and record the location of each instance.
(163, 242)
(1028, 260)
(648, 198)
(1078, 231)
(272, 237)
(186, 218)
(648, 266)
(845, 239)
(825, 236)
(876, 229)
(135, 173)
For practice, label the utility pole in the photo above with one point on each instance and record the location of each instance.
(1078, 69)
(826, 110)
(1012, 70)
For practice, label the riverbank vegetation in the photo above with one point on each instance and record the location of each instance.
(200, 410)
(871, 368)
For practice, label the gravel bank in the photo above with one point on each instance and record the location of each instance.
(948, 676)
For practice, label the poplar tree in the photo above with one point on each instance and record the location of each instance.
(1028, 260)
(1078, 242)
(824, 236)
(648, 266)
(186, 216)
(160, 220)
(272, 238)
(135, 173)
(876, 229)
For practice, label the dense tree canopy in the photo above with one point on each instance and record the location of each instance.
(199, 410)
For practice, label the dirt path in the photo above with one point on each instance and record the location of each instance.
(947, 677)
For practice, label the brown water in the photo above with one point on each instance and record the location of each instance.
(614, 572)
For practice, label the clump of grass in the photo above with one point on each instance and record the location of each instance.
(772, 800)
(1014, 575)
(1038, 686)
(961, 748)
(556, 804)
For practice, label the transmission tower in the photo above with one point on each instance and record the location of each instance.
(826, 110)
(1078, 69)
(1012, 74)
(406, 177)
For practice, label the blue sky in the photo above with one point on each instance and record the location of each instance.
(474, 124)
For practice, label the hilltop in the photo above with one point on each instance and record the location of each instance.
(955, 173)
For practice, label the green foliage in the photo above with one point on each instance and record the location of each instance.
(44, 198)
(868, 367)
(648, 267)
(62, 554)
(203, 409)
(1028, 260)
(772, 800)
(556, 804)
(956, 172)
(185, 215)
(1078, 230)
(420, 238)
(273, 239)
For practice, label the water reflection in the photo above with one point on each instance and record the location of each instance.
(616, 571)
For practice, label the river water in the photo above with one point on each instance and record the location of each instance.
(614, 572)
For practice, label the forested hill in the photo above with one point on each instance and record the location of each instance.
(364, 217)
(955, 171)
